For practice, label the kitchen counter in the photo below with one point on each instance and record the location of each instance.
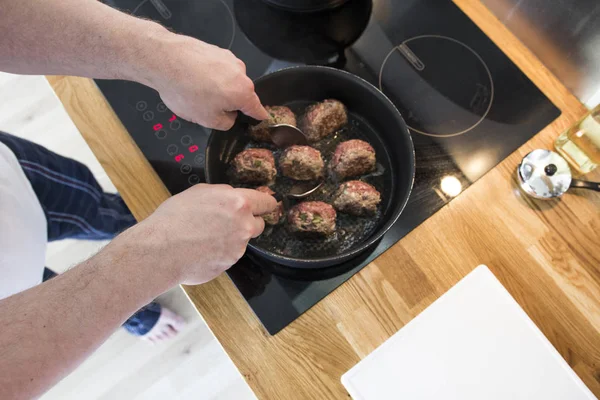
(545, 254)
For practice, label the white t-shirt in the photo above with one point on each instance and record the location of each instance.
(23, 232)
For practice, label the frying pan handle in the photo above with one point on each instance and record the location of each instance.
(576, 183)
(244, 119)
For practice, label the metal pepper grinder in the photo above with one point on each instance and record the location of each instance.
(544, 174)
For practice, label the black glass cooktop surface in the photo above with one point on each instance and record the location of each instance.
(468, 107)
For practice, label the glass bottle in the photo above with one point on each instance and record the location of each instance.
(580, 144)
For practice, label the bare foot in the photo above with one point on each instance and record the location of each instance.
(168, 326)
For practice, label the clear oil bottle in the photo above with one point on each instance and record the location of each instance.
(580, 144)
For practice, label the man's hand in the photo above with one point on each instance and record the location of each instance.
(204, 84)
(201, 232)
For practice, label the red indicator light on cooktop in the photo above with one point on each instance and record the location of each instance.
(173, 118)
(179, 157)
(158, 127)
(193, 148)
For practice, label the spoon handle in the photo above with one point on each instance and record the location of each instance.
(579, 184)
(245, 119)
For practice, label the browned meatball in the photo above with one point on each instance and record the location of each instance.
(254, 166)
(353, 158)
(357, 198)
(323, 119)
(274, 217)
(312, 217)
(278, 115)
(302, 163)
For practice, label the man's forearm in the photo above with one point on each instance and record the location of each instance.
(48, 330)
(197, 81)
(76, 37)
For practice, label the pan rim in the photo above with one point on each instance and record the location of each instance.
(309, 263)
(305, 9)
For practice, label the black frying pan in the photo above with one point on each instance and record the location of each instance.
(305, 5)
(372, 117)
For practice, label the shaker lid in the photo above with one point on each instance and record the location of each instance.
(544, 174)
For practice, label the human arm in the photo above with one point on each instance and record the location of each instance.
(48, 330)
(199, 82)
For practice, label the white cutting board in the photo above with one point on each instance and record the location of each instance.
(473, 343)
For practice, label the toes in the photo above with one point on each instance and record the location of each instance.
(167, 327)
(175, 320)
(167, 333)
(173, 330)
(178, 323)
(149, 339)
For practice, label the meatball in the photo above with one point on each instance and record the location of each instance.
(278, 115)
(274, 217)
(302, 163)
(312, 217)
(323, 119)
(352, 158)
(357, 198)
(254, 166)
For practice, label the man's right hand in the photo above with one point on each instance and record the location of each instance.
(202, 231)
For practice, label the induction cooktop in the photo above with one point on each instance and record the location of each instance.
(467, 105)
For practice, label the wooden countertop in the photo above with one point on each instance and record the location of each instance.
(545, 253)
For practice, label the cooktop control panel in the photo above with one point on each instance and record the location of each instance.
(174, 147)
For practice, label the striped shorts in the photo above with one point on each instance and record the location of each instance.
(76, 207)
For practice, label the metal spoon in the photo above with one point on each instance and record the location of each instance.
(282, 135)
(543, 174)
(303, 189)
(299, 191)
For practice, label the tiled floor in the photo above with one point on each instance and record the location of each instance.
(193, 365)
